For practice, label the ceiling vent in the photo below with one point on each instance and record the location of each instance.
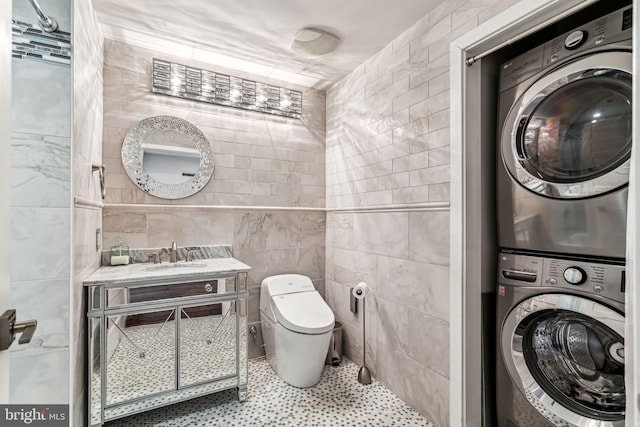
(311, 43)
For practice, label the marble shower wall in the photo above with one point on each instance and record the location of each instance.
(270, 241)
(388, 146)
(87, 149)
(41, 219)
(260, 159)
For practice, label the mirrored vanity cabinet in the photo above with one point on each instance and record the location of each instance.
(164, 333)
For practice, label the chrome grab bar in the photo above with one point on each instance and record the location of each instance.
(46, 23)
(100, 169)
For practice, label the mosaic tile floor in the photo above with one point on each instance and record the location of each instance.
(337, 400)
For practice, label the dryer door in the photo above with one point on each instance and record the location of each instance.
(566, 354)
(569, 135)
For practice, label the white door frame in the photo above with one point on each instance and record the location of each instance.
(5, 181)
(466, 204)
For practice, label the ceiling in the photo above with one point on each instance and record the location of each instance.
(255, 35)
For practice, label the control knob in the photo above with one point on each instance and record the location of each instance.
(575, 275)
(575, 39)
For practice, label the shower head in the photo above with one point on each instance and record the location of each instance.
(46, 23)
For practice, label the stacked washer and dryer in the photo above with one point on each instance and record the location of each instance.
(563, 170)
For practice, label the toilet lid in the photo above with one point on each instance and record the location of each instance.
(304, 312)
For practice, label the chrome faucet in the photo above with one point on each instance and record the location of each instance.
(190, 255)
(174, 252)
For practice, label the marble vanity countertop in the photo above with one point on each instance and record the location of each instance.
(181, 270)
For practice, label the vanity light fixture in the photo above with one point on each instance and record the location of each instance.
(222, 89)
(312, 43)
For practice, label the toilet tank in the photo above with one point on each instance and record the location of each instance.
(281, 285)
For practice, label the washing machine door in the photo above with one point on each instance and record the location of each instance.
(568, 135)
(566, 355)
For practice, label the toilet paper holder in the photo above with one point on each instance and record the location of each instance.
(353, 302)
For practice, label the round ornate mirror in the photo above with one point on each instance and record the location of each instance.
(167, 157)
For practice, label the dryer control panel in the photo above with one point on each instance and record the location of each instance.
(613, 28)
(607, 280)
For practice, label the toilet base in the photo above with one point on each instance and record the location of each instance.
(296, 358)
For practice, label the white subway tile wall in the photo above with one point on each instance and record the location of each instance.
(259, 159)
(388, 144)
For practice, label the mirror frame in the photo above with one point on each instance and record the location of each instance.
(132, 156)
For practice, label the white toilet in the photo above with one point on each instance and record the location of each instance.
(296, 328)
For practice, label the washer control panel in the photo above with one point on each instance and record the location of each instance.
(607, 280)
(574, 275)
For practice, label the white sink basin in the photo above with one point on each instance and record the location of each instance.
(174, 265)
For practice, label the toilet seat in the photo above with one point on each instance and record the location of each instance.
(303, 312)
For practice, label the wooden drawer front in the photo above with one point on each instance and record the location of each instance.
(125, 295)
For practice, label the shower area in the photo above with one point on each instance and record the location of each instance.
(41, 206)
(56, 205)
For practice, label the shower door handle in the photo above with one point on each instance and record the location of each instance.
(9, 328)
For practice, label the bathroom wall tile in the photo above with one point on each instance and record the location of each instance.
(352, 343)
(284, 261)
(410, 195)
(32, 377)
(439, 84)
(390, 370)
(253, 308)
(312, 261)
(352, 267)
(314, 226)
(433, 32)
(40, 171)
(393, 325)
(439, 156)
(494, 8)
(414, 276)
(429, 141)
(421, 286)
(255, 230)
(190, 227)
(439, 192)
(420, 387)
(42, 98)
(390, 237)
(433, 175)
(307, 261)
(258, 260)
(40, 234)
(419, 160)
(47, 302)
(319, 285)
(435, 68)
(337, 297)
(428, 341)
(133, 240)
(124, 221)
(429, 237)
(243, 142)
